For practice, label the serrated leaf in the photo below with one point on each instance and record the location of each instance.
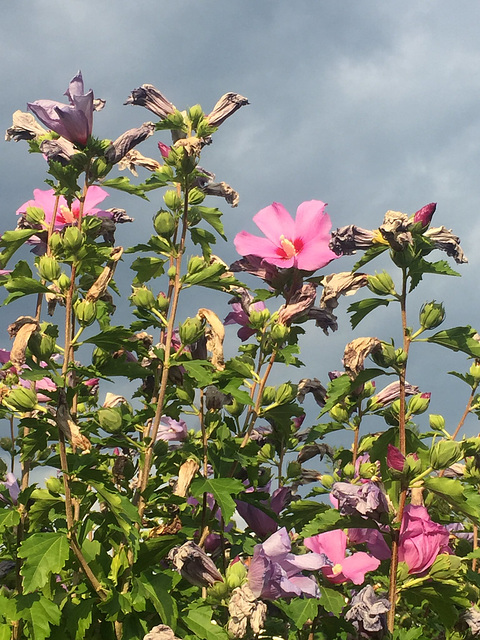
(222, 490)
(369, 254)
(200, 370)
(461, 499)
(110, 338)
(421, 266)
(200, 622)
(331, 600)
(5, 631)
(8, 518)
(322, 522)
(38, 612)
(458, 339)
(340, 387)
(25, 285)
(78, 617)
(148, 268)
(299, 610)
(213, 217)
(156, 588)
(123, 184)
(362, 308)
(11, 241)
(43, 554)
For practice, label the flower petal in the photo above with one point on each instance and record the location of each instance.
(355, 567)
(332, 543)
(275, 221)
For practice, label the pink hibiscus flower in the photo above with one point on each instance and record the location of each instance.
(301, 243)
(66, 215)
(333, 544)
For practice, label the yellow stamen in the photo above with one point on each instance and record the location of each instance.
(288, 247)
(336, 569)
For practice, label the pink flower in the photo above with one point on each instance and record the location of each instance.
(333, 544)
(301, 243)
(171, 429)
(395, 458)
(421, 539)
(66, 215)
(73, 121)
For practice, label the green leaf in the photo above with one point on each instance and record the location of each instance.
(124, 511)
(213, 217)
(25, 286)
(110, 338)
(8, 518)
(331, 600)
(461, 499)
(148, 268)
(11, 241)
(458, 339)
(222, 490)
(363, 307)
(78, 617)
(299, 610)
(322, 522)
(200, 622)
(203, 238)
(369, 254)
(421, 266)
(200, 370)
(123, 184)
(156, 588)
(5, 631)
(43, 554)
(340, 387)
(38, 612)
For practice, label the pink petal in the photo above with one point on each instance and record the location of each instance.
(312, 220)
(315, 255)
(332, 543)
(275, 221)
(249, 245)
(93, 197)
(355, 567)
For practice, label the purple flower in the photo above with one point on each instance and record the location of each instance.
(239, 316)
(300, 243)
(258, 521)
(341, 568)
(421, 539)
(275, 572)
(366, 499)
(171, 429)
(367, 612)
(73, 121)
(425, 214)
(12, 486)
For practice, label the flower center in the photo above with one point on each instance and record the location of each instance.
(288, 247)
(336, 569)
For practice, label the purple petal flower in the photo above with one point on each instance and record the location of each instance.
(12, 486)
(274, 572)
(421, 539)
(171, 429)
(374, 541)
(392, 392)
(239, 316)
(301, 243)
(341, 568)
(366, 499)
(72, 121)
(258, 521)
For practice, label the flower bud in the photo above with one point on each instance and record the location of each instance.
(339, 413)
(110, 419)
(258, 319)
(235, 574)
(191, 330)
(34, 215)
(172, 272)
(195, 114)
(164, 223)
(64, 282)
(445, 453)
(56, 243)
(327, 481)
(6, 444)
(21, 399)
(235, 409)
(432, 314)
(437, 422)
(279, 332)
(285, 393)
(143, 298)
(196, 264)
(54, 485)
(475, 371)
(349, 470)
(72, 239)
(268, 396)
(172, 199)
(381, 284)
(41, 345)
(367, 470)
(419, 403)
(400, 356)
(196, 197)
(48, 268)
(162, 302)
(385, 357)
(85, 312)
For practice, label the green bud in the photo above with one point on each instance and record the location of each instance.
(367, 470)
(64, 282)
(172, 272)
(235, 409)
(110, 419)
(162, 302)
(6, 444)
(400, 356)
(403, 258)
(195, 197)
(327, 481)
(385, 357)
(432, 314)
(41, 345)
(445, 453)
(413, 465)
(381, 284)
(285, 393)
(437, 422)
(267, 452)
(294, 469)
(235, 575)
(172, 199)
(475, 371)
(85, 312)
(54, 485)
(143, 298)
(268, 396)
(349, 470)
(196, 264)
(191, 330)
(164, 223)
(279, 332)
(34, 215)
(72, 239)
(99, 168)
(339, 413)
(56, 243)
(258, 319)
(21, 399)
(418, 403)
(48, 268)
(195, 114)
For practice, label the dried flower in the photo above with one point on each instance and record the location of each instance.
(194, 565)
(367, 612)
(150, 97)
(225, 107)
(445, 240)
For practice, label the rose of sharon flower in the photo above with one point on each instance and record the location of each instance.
(73, 121)
(66, 215)
(341, 568)
(274, 572)
(170, 429)
(238, 316)
(367, 612)
(421, 539)
(301, 243)
(366, 499)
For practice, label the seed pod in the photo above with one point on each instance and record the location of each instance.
(48, 268)
(85, 312)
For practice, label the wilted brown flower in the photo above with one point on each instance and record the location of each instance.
(347, 240)
(24, 127)
(21, 330)
(356, 353)
(215, 335)
(194, 565)
(60, 150)
(150, 97)
(445, 240)
(225, 107)
(243, 608)
(67, 425)
(299, 304)
(134, 159)
(124, 143)
(160, 632)
(335, 285)
(313, 386)
(394, 230)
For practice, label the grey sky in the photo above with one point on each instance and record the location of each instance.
(367, 105)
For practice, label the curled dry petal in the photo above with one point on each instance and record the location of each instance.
(299, 304)
(344, 283)
(160, 632)
(356, 353)
(395, 230)
(243, 608)
(150, 97)
(324, 319)
(112, 400)
(21, 330)
(223, 190)
(100, 285)
(186, 474)
(60, 150)
(24, 127)
(225, 107)
(313, 386)
(194, 565)
(347, 240)
(134, 159)
(215, 336)
(445, 240)
(192, 145)
(124, 143)
(67, 425)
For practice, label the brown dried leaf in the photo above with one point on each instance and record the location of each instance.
(215, 336)
(21, 330)
(68, 427)
(99, 287)
(186, 474)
